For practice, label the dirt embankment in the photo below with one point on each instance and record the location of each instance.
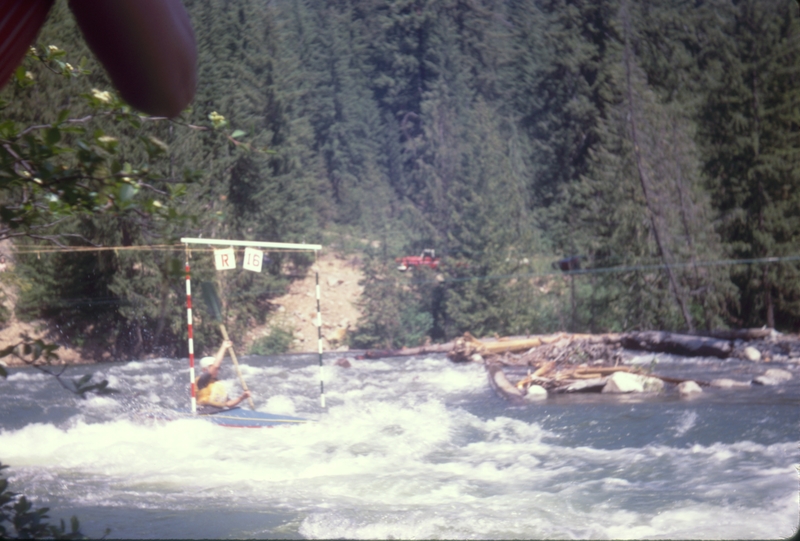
(340, 292)
(339, 278)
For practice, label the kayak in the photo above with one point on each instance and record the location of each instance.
(234, 417)
(241, 418)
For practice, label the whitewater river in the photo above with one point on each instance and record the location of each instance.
(408, 448)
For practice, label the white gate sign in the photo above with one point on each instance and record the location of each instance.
(224, 259)
(253, 259)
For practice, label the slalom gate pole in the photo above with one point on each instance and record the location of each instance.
(191, 333)
(256, 244)
(319, 346)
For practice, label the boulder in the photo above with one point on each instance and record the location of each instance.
(773, 376)
(777, 373)
(726, 383)
(344, 363)
(624, 382)
(752, 354)
(688, 388)
(535, 392)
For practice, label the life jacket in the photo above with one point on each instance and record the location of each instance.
(210, 392)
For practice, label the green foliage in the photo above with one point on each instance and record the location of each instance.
(393, 313)
(20, 520)
(751, 151)
(41, 355)
(68, 166)
(658, 138)
(279, 340)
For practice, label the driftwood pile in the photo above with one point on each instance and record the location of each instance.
(564, 362)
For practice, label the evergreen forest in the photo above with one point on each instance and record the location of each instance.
(656, 144)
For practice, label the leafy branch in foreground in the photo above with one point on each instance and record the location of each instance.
(68, 167)
(40, 355)
(19, 520)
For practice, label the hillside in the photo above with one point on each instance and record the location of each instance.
(340, 292)
(339, 278)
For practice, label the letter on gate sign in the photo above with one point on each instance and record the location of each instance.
(224, 259)
(253, 259)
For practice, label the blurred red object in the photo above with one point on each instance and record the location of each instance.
(146, 46)
(20, 21)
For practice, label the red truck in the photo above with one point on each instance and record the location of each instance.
(426, 259)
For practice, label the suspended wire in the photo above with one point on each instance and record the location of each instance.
(28, 249)
(591, 271)
(616, 269)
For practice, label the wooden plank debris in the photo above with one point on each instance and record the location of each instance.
(570, 362)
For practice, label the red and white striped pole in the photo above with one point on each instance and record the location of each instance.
(191, 334)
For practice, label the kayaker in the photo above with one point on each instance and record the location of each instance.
(212, 395)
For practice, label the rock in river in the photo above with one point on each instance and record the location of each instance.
(752, 354)
(535, 392)
(624, 382)
(688, 388)
(773, 376)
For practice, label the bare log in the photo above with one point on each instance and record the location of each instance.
(594, 385)
(408, 352)
(678, 344)
(501, 385)
(467, 346)
(543, 348)
(738, 334)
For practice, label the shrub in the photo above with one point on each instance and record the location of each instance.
(277, 341)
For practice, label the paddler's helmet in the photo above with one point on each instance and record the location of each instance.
(205, 362)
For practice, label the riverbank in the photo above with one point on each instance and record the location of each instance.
(15, 330)
(340, 291)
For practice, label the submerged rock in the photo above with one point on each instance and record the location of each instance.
(624, 382)
(344, 363)
(773, 376)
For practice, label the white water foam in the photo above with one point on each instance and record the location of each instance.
(393, 458)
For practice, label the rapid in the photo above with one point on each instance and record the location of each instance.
(411, 448)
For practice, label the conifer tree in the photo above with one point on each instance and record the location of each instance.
(557, 82)
(641, 207)
(342, 111)
(751, 144)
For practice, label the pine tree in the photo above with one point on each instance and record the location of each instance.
(640, 206)
(557, 81)
(751, 145)
(343, 113)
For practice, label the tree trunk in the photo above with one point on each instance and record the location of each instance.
(644, 182)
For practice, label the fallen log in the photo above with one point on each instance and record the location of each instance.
(501, 385)
(464, 349)
(678, 344)
(467, 346)
(738, 334)
(581, 379)
(407, 352)
(583, 372)
(594, 385)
